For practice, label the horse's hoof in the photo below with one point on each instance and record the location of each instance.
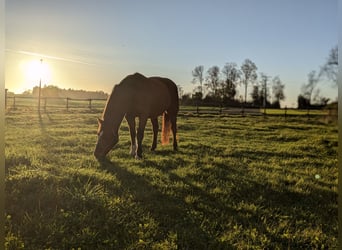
(133, 151)
(138, 157)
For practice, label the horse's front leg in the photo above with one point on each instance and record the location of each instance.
(140, 135)
(131, 124)
(155, 132)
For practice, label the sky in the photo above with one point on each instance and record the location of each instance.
(93, 45)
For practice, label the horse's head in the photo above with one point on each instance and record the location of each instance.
(106, 140)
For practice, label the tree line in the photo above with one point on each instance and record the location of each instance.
(54, 91)
(217, 86)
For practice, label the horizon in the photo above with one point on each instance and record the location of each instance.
(288, 39)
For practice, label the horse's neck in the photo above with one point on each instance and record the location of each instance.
(113, 115)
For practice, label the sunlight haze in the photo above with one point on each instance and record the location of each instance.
(92, 45)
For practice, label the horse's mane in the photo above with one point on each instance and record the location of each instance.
(135, 77)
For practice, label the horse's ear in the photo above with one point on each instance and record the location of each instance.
(100, 121)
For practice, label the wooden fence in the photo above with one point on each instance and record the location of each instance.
(15, 101)
(59, 103)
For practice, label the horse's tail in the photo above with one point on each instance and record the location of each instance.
(166, 128)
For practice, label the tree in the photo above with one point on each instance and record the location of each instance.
(330, 68)
(260, 92)
(248, 69)
(232, 76)
(264, 89)
(186, 99)
(256, 96)
(180, 91)
(318, 99)
(197, 97)
(303, 102)
(198, 77)
(213, 81)
(278, 91)
(308, 89)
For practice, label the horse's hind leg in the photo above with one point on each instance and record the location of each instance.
(155, 127)
(131, 124)
(140, 135)
(174, 131)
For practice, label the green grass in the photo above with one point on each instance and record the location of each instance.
(296, 112)
(235, 183)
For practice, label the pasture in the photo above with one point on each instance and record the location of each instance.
(235, 183)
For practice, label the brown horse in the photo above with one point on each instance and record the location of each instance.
(145, 98)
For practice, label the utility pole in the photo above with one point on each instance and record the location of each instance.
(40, 84)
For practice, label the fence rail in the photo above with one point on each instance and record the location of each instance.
(66, 103)
(13, 102)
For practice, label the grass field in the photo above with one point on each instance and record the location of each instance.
(235, 183)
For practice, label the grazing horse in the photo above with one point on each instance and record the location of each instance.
(142, 97)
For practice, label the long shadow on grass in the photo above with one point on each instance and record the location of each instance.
(301, 212)
(171, 212)
(312, 210)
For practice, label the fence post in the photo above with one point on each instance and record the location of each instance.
(6, 98)
(285, 112)
(89, 103)
(14, 102)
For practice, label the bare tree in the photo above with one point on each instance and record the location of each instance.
(213, 80)
(264, 89)
(248, 69)
(318, 99)
(330, 68)
(232, 76)
(256, 95)
(198, 77)
(308, 89)
(180, 91)
(278, 90)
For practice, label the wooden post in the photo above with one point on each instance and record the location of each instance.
(89, 103)
(14, 102)
(285, 112)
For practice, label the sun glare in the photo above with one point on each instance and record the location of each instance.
(35, 71)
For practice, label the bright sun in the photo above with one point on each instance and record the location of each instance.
(35, 71)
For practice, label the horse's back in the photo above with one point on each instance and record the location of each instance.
(172, 92)
(144, 95)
